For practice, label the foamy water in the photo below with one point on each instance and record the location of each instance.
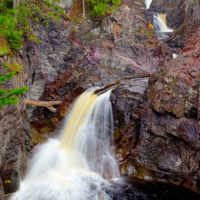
(148, 3)
(78, 164)
(161, 27)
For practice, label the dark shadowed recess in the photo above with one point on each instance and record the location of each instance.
(135, 189)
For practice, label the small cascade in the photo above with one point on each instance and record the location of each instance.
(148, 3)
(160, 26)
(174, 55)
(79, 163)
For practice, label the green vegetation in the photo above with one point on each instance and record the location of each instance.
(8, 26)
(15, 23)
(10, 96)
(92, 8)
(14, 26)
(99, 8)
(4, 47)
(39, 13)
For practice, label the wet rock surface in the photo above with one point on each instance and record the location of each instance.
(73, 57)
(156, 132)
(159, 139)
(138, 190)
(156, 119)
(153, 146)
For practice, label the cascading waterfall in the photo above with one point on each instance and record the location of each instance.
(78, 164)
(148, 3)
(160, 26)
(174, 55)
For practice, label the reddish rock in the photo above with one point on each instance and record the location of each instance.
(99, 53)
(151, 146)
(156, 139)
(1, 190)
(175, 88)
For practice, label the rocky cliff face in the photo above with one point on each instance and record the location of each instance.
(74, 57)
(183, 16)
(162, 133)
(14, 132)
(155, 106)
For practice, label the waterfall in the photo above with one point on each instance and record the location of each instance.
(77, 164)
(160, 26)
(148, 3)
(174, 55)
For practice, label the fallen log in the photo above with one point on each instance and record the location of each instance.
(48, 104)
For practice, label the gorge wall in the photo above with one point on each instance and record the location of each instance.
(15, 135)
(155, 105)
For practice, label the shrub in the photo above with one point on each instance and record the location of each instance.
(4, 46)
(15, 23)
(99, 8)
(8, 26)
(10, 96)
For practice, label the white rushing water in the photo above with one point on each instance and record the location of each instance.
(174, 55)
(148, 3)
(79, 163)
(160, 26)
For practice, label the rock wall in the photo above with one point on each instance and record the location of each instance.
(156, 119)
(182, 15)
(14, 131)
(158, 141)
(75, 56)
(156, 131)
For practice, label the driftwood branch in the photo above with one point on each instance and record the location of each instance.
(48, 104)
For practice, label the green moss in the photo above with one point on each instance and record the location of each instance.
(15, 67)
(37, 139)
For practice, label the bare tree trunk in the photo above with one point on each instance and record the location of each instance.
(48, 104)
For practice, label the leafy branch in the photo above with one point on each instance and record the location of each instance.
(10, 96)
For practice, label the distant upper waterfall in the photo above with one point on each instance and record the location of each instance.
(148, 3)
(76, 165)
(160, 26)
